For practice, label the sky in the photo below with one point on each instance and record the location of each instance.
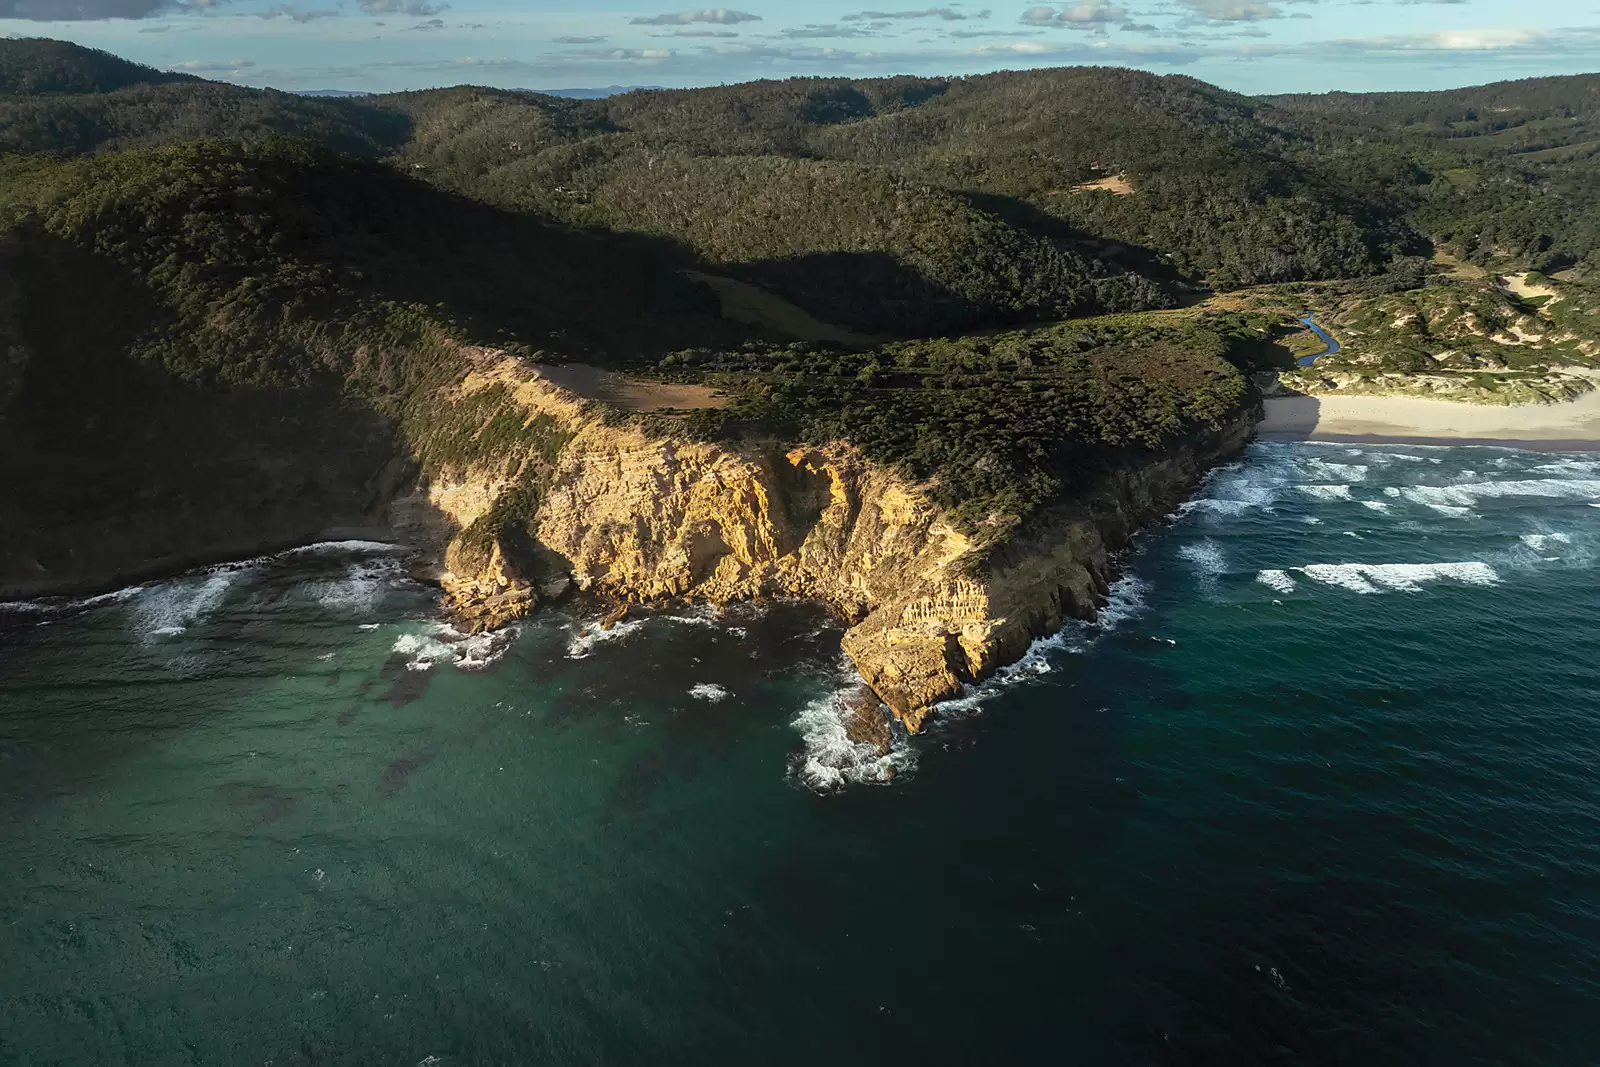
(1253, 46)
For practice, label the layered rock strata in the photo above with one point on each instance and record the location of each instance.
(638, 517)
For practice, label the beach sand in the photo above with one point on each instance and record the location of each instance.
(1573, 425)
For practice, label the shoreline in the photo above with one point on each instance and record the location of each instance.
(163, 568)
(1573, 426)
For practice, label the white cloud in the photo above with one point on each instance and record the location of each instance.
(945, 13)
(418, 8)
(213, 66)
(720, 15)
(1481, 39)
(1088, 14)
(283, 11)
(1234, 10)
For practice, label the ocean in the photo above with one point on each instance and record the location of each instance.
(1322, 786)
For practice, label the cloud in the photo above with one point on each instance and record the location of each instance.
(213, 66)
(95, 10)
(417, 8)
(811, 32)
(431, 24)
(283, 11)
(718, 34)
(1233, 10)
(615, 54)
(1089, 14)
(944, 13)
(964, 35)
(720, 15)
(1493, 39)
(581, 40)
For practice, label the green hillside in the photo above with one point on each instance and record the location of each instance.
(33, 66)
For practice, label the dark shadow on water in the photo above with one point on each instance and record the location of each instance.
(680, 735)
(397, 775)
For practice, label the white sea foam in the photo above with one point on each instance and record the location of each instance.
(1553, 488)
(1401, 577)
(828, 759)
(51, 605)
(709, 691)
(708, 617)
(171, 608)
(443, 643)
(323, 547)
(1336, 472)
(1125, 601)
(587, 636)
(1326, 492)
(1280, 581)
(1467, 494)
(1207, 556)
(363, 586)
(1375, 505)
(1545, 543)
(1567, 465)
(1238, 499)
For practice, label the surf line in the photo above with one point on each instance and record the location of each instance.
(1322, 335)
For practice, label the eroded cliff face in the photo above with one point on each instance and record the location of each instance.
(640, 517)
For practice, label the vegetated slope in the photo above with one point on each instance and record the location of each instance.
(151, 115)
(1000, 426)
(271, 325)
(1507, 173)
(862, 246)
(37, 65)
(932, 181)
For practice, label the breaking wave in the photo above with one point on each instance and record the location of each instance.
(1397, 577)
(443, 643)
(1125, 601)
(829, 759)
(1280, 581)
(171, 608)
(362, 588)
(1544, 543)
(709, 691)
(588, 636)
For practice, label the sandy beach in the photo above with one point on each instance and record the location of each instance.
(1570, 426)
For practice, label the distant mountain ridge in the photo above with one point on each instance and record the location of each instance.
(591, 94)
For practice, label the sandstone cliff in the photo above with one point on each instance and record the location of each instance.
(639, 516)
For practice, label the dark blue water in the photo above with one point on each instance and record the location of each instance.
(1322, 789)
(1322, 335)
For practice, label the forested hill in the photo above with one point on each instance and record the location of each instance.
(31, 66)
(906, 206)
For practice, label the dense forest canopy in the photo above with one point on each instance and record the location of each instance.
(887, 204)
(31, 66)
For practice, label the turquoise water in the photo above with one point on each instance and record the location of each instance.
(1323, 787)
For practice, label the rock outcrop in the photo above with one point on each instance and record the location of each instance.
(639, 516)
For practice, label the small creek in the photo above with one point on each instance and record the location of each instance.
(1324, 337)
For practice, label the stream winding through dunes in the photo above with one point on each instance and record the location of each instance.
(1324, 336)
